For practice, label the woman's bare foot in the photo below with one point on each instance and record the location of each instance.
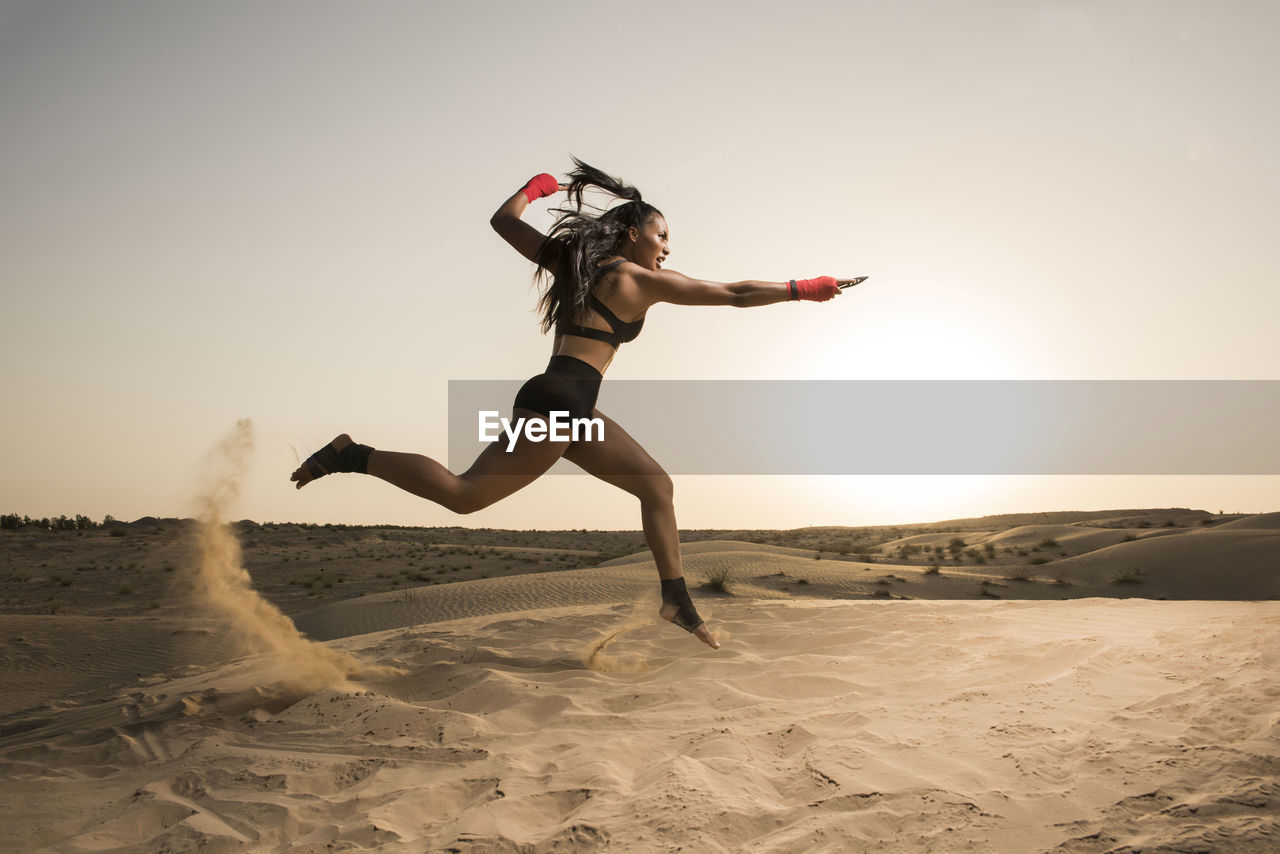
(325, 461)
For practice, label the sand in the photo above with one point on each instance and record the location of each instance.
(900, 726)
(854, 706)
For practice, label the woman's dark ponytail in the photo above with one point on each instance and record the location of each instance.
(585, 175)
(580, 240)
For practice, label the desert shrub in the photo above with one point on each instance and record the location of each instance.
(1037, 561)
(933, 569)
(1049, 543)
(717, 580)
(1129, 575)
(1061, 579)
(1021, 573)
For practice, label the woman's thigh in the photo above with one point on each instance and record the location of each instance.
(497, 472)
(620, 460)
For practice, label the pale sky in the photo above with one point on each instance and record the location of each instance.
(279, 211)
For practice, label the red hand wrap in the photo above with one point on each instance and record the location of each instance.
(820, 289)
(539, 186)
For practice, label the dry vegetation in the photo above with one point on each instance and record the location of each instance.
(79, 567)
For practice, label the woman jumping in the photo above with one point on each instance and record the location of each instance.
(616, 255)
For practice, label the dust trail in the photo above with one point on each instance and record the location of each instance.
(643, 612)
(597, 656)
(222, 585)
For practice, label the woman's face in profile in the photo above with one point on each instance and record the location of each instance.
(652, 245)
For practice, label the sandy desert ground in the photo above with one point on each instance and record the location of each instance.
(1024, 689)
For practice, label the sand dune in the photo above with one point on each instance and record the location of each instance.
(942, 539)
(705, 547)
(820, 726)
(64, 658)
(854, 705)
(1260, 521)
(1071, 537)
(1200, 564)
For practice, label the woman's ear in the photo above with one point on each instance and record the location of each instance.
(633, 233)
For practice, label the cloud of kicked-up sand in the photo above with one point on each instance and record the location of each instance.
(598, 657)
(223, 588)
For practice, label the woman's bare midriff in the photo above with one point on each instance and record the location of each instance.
(597, 354)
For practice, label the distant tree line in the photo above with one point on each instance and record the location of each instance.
(12, 521)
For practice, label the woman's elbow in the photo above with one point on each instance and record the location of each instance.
(739, 295)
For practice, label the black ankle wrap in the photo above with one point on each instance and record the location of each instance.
(352, 458)
(355, 458)
(674, 592)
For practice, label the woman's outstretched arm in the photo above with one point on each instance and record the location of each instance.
(523, 237)
(679, 289)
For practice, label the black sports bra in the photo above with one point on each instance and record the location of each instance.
(620, 332)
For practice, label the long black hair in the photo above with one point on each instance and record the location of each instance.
(580, 240)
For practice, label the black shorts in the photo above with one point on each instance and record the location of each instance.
(567, 385)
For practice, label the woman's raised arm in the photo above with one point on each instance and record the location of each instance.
(523, 237)
(679, 289)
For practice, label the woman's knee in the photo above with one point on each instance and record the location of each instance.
(478, 492)
(465, 507)
(467, 500)
(657, 488)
